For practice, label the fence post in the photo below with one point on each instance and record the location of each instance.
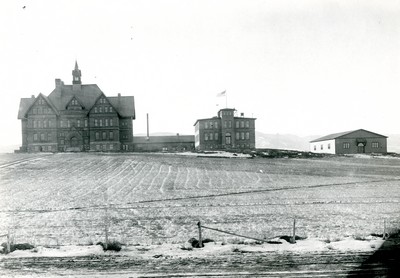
(8, 242)
(106, 220)
(384, 229)
(293, 239)
(200, 238)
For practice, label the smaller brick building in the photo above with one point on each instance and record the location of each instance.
(225, 131)
(350, 142)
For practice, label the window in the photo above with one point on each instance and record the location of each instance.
(42, 137)
(62, 142)
(110, 109)
(111, 135)
(247, 135)
(211, 136)
(230, 124)
(106, 122)
(45, 123)
(375, 145)
(78, 123)
(86, 122)
(40, 111)
(346, 145)
(50, 123)
(322, 147)
(98, 147)
(206, 125)
(101, 122)
(106, 109)
(95, 122)
(225, 124)
(237, 135)
(216, 136)
(111, 122)
(329, 146)
(111, 147)
(39, 124)
(49, 137)
(61, 123)
(101, 109)
(247, 124)
(242, 124)
(216, 124)
(35, 137)
(315, 147)
(206, 136)
(35, 124)
(95, 110)
(242, 135)
(104, 135)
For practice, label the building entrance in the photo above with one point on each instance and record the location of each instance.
(361, 148)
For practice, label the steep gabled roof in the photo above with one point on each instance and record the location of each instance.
(87, 96)
(26, 103)
(24, 106)
(341, 134)
(125, 106)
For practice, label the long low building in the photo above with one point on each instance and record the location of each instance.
(350, 142)
(163, 143)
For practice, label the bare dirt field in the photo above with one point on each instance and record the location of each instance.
(56, 200)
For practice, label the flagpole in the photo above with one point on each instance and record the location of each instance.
(226, 99)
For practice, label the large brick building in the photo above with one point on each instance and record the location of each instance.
(350, 142)
(76, 117)
(225, 131)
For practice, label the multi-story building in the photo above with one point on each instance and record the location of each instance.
(350, 142)
(225, 131)
(76, 117)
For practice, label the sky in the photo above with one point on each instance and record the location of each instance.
(299, 67)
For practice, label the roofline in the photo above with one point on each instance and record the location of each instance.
(343, 134)
(219, 118)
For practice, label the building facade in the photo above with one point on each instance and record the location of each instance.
(175, 143)
(76, 117)
(350, 142)
(225, 131)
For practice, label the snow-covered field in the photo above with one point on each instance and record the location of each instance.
(157, 199)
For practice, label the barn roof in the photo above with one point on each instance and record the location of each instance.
(341, 134)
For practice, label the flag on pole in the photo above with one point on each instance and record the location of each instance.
(222, 94)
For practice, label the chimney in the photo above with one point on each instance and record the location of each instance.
(241, 114)
(59, 85)
(33, 96)
(58, 82)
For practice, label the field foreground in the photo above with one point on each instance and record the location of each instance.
(154, 201)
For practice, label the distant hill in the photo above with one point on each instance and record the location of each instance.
(283, 141)
(394, 143)
(8, 148)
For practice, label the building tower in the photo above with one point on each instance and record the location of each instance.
(76, 73)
